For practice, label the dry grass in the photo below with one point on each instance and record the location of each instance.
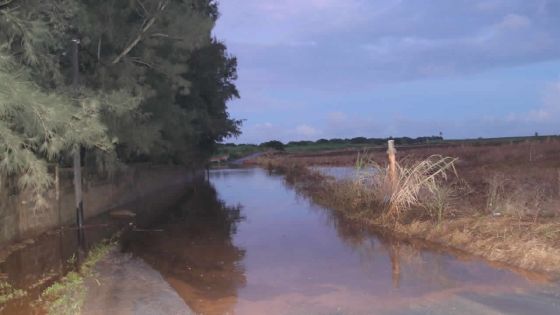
(9, 293)
(417, 185)
(543, 152)
(504, 205)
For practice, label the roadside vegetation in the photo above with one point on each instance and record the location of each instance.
(9, 293)
(497, 201)
(67, 296)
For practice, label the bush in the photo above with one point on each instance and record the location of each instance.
(274, 144)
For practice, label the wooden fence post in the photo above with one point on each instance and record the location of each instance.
(57, 192)
(77, 150)
(391, 152)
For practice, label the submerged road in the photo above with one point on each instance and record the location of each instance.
(124, 285)
(248, 244)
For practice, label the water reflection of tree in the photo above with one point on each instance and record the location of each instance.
(195, 251)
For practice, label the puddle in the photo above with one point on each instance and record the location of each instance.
(248, 244)
(37, 265)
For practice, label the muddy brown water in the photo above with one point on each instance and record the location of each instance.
(47, 258)
(42, 261)
(248, 244)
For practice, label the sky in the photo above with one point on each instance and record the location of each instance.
(311, 69)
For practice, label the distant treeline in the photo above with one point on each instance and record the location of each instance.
(275, 144)
(364, 140)
(239, 150)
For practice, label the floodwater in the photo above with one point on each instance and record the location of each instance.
(248, 244)
(44, 260)
(343, 172)
(47, 258)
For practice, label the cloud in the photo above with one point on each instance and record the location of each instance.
(547, 112)
(266, 125)
(488, 5)
(551, 96)
(271, 22)
(323, 44)
(514, 21)
(337, 117)
(304, 58)
(306, 132)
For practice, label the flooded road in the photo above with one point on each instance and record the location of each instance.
(47, 258)
(248, 244)
(343, 172)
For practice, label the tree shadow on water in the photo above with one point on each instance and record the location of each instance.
(192, 247)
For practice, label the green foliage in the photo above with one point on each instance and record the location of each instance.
(154, 84)
(39, 119)
(97, 253)
(37, 126)
(325, 144)
(67, 295)
(162, 52)
(212, 73)
(303, 143)
(238, 151)
(35, 32)
(369, 141)
(359, 140)
(274, 144)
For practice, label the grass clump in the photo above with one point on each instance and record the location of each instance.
(524, 201)
(67, 296)
(419, 185)
(9, 293)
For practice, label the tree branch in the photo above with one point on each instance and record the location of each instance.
(99, 49)
(5, 3)
(143, 7)
(142, 62)
(165, 36)
(148, 24)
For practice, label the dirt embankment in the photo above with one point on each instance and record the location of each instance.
(503, 205)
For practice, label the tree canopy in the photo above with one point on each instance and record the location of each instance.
(154, 84)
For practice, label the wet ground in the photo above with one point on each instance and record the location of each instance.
(42, 261)
(249, 244)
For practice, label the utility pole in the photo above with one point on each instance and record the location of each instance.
(77, 158)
